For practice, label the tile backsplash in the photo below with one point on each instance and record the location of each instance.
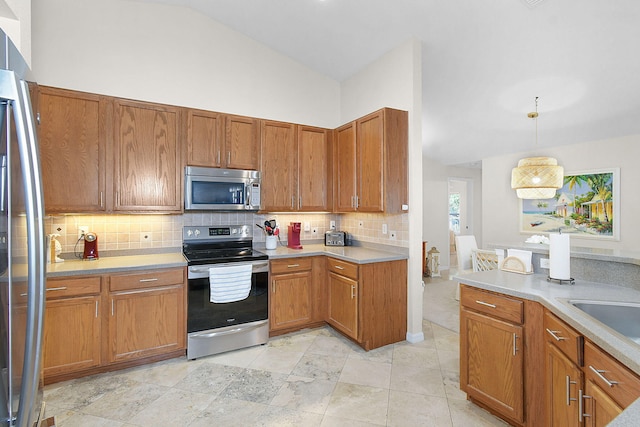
(145, 231)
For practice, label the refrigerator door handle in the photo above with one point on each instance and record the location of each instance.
(16, 92)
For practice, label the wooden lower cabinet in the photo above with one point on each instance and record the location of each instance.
(147, 314)
(343, 304)
(134, 318)
(492, 369)
(609, 386)
(291, 291)
(72, 326)
(365, 302)
(564, 387)
(368, 302)
(491, 351)
(600, 408)
(564, 383)
(71, 335)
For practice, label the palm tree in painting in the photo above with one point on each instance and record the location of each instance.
(601, 186)
(574, 181)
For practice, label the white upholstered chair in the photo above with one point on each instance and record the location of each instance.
(464, 247)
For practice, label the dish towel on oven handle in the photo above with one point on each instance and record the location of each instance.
(229, 283)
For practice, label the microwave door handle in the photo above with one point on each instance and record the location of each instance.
(247, 195)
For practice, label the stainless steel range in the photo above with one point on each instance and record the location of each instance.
(219, 316)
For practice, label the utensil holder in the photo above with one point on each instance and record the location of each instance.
(271, 242)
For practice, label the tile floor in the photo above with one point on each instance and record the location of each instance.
(309, 378)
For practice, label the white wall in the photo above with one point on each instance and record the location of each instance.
(395, 80)
(500, 210)
(15, 21)
(436, 204)
(176, 56)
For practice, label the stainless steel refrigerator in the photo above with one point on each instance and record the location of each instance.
(22, 253)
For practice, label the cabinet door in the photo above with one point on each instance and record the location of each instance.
(148, 161)
(278, 158)
(290, 300)
(600, 409)
(343, 304)
(71, 335)
(491, 363)
(241, 143)
(313, 169)
(146, 323)
(72, 138)
(370, 155)
(204, 138)
(564, 380)
(344, 160)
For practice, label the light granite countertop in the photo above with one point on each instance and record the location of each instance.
(355, 254)
(113, 264)
(556, 298)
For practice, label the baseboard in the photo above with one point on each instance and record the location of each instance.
(415, 338)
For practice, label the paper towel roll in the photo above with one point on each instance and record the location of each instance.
(559, 256)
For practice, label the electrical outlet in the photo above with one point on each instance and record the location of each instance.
(332, 225)
(384, 228)
(361, 224)
(544, 263)
(314, 231)
(146, 237)
(392, 235)
(61, 230)
(307, 227)
(82, 230)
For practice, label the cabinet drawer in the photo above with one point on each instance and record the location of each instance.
(495, 305)
(146, 279)
(289, 265)
(64, 288)
(564, 337)
(343, 268)
(623, 385)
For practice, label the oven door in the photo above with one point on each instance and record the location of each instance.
(204, 315)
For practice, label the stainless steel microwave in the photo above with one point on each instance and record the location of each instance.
(216, 189)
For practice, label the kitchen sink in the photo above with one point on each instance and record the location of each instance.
(622, 317)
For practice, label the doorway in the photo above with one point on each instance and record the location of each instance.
(460, 213)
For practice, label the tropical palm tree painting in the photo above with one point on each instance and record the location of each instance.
(585, 206)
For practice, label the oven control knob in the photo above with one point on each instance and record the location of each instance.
(196, 232)
(189, 232)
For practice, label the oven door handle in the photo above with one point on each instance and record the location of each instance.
(206, 269)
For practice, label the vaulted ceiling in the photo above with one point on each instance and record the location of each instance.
(484, 62)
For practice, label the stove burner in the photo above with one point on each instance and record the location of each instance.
(215, 245)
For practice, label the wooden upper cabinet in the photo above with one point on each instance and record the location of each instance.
(370, 162)
(278, 165)
(147, 158)
(345, 168)
(295, 167)
(314, 169)
(371, 158)
(241, 143)
(205, 140)
(73, 139)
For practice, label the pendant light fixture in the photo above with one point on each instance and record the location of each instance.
(537, 177)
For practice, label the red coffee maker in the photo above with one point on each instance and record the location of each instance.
(90, 246)
(293, 239)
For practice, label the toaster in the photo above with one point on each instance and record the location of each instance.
(335, 238)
